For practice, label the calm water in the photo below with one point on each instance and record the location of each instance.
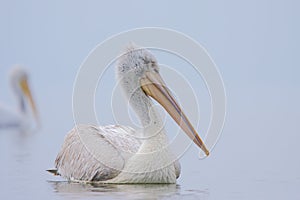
(25, 177)
(24, 158)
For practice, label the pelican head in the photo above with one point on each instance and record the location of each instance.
(19, 82)
(138, 72)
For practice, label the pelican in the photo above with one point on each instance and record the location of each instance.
(19, 118)
(120, 154)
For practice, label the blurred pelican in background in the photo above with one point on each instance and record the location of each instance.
(120, 154)
(25, 110)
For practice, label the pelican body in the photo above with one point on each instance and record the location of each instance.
(120, 154)
(18, 118)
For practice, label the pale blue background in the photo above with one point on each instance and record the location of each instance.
(254, 43)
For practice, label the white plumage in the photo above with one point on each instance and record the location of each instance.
(18, 118)
(109, 149)
(120, 154)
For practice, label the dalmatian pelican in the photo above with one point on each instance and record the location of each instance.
(20, 117)
(120, 154)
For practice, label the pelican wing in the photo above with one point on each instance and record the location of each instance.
(92, 153)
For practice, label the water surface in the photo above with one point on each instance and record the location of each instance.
(25, 157)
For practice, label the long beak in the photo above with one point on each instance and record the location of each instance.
(153, 85)
(26, 90)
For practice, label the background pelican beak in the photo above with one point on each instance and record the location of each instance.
(27, 93)
(154, 86)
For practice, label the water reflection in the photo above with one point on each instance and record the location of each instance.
(146, 191)
(135, 191)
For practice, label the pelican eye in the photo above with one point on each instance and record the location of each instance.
(156, 70)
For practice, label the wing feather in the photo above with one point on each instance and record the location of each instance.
(92, 153)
